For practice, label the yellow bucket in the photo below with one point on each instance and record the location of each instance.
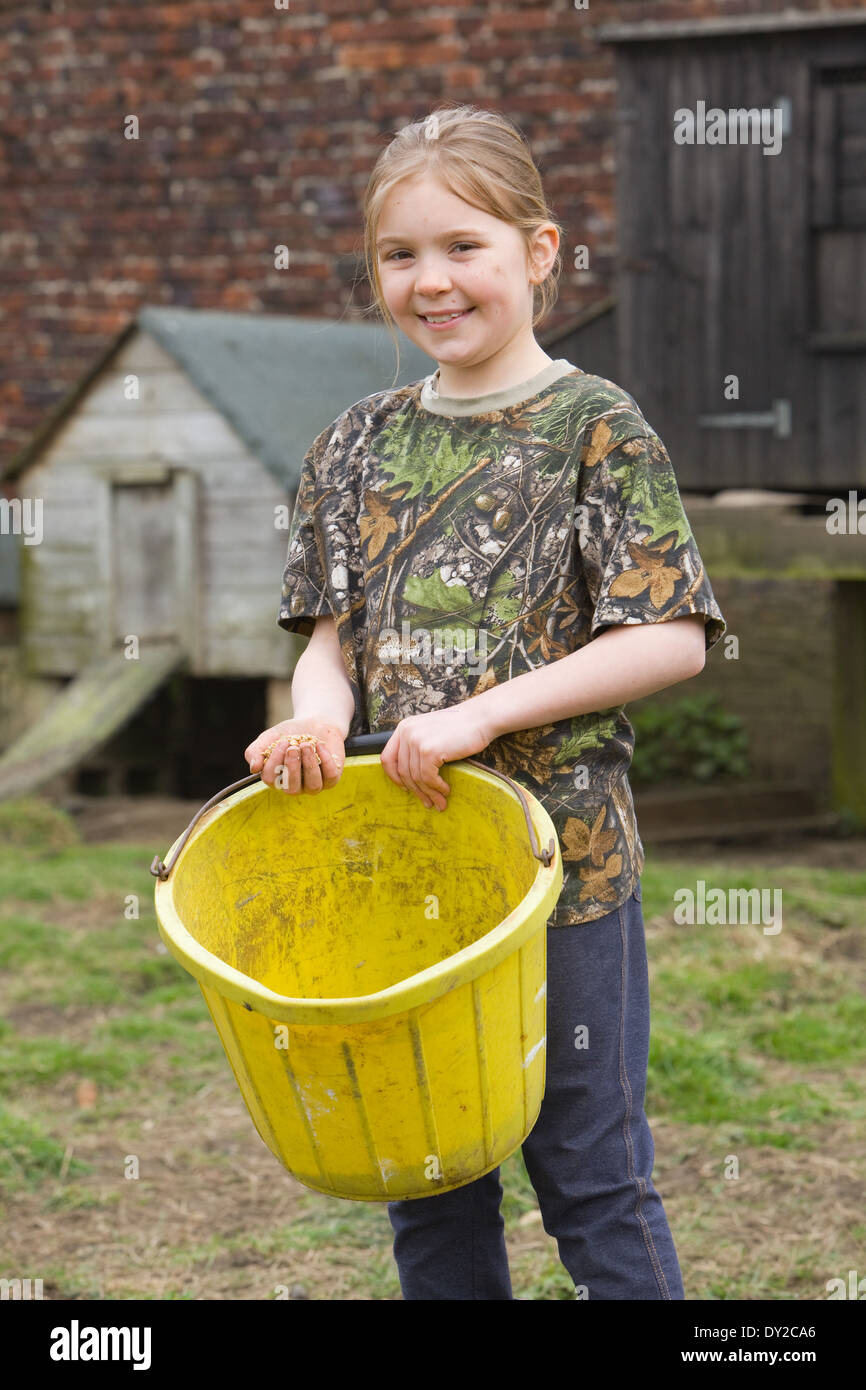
(375, 970)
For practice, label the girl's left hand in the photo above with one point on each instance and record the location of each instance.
(420, 744)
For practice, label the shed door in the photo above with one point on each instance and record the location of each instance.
(144, 562)
(736, 263)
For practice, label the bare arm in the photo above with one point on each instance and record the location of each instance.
(623, 663)
(320, 686)
(323, 706)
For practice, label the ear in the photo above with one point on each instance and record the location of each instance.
(542, 254)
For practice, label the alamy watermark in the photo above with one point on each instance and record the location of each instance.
(856, 1287)
(737, 126)
(451, 646)
(846, 519)
(77, 1343)
(21, 1288)
(22, 516)
(739, 906)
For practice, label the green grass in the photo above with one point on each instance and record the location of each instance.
(29, 1155)
(85, 968)
(141, 1005)
(807, 1036)
(698, 1077)
(719, 1013)
(812, 896)
(75, 874)
(26, 1061)
(357, 1233)
(757, 1044)
(35, 826)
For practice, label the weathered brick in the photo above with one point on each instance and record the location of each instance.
(247, 111)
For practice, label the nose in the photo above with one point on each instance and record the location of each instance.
(431, 276)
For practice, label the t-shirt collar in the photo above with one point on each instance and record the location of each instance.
(438, 404)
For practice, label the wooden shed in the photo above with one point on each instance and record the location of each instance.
(738, 323)
(165, 483)
(741, 276)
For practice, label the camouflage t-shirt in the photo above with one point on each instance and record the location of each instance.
(459, 543)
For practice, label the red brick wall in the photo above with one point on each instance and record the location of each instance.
(259, 127)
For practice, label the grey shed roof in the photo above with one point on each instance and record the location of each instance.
(279, 379)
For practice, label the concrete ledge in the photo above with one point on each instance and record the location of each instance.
(748, 810)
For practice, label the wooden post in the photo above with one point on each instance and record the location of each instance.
(849, 702)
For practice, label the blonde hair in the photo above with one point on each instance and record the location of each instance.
(482, 158)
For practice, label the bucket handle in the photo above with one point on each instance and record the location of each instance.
(358, 743)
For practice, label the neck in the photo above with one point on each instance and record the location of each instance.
(484, 380)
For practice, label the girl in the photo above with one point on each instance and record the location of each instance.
(491, 562)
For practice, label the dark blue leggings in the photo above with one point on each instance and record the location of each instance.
(590, 1154)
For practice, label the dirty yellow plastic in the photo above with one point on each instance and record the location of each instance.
(375, 971)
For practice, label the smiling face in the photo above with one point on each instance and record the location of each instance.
(438, 254)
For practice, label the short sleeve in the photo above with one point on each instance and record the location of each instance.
(640, 560)
(304, 594)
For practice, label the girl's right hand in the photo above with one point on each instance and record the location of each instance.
(301, 771)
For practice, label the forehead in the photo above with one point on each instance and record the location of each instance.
(424, 206)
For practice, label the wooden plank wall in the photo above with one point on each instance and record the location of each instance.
(717, 268)
(241, 553)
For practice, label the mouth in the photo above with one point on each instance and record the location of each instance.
(457, 317)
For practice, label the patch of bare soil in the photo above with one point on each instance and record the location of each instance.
(139, 820)
(204, 1179)
(776, 1216)
(199, 1220)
